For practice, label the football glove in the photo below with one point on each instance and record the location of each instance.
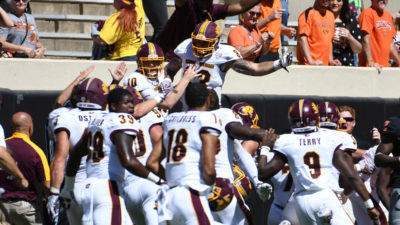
(264, 191)
(366, 165)
(67, 193)
(166, 87)
(286, 58)
(53, 207)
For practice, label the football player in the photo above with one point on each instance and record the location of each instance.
(189, 146)
(226, 201)
(312, 155)
(141, 194)
(149, 78)
(282, 181)
(108, 145)
(90, 99)
(214, 59)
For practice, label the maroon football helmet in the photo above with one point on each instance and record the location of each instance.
(205, 38)
(303, 114)
(92, 94)
(247, 113)
(329, 115)
(221, 195)
(150, 60)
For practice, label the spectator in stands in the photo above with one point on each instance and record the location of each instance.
(285, 15)
(271, 20)
(21, 40)
(156, 11)
(188, 14)
(21, 206)
(5, 19)
(315, 35)
(247, 38)
(396, 19)
(377, 36)
(347, 39)
(124, 30)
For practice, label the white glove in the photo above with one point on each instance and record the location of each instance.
(94, 30)
(264, 190)
(166, 86)
(366, 164)
(53, 207)
(286, 58)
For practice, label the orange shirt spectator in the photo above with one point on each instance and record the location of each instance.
(316, 32)
(247, 38)
(377, 26)
(273, 26)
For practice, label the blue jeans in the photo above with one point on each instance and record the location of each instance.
(285, 15)
(128, 58)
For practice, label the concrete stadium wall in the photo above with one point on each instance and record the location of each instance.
(55, 75)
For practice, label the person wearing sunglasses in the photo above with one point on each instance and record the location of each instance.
(247, 38)
(21, 40)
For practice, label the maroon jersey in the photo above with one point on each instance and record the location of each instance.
(33, 164)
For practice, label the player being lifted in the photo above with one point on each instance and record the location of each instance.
(312, 156)
(214, 59)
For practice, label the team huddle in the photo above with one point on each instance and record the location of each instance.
(123, 159)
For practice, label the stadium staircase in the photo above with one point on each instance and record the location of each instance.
(64, 25)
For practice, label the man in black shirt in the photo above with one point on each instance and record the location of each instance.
(391, 144)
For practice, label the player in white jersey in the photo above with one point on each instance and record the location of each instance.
(69, 126)
(149, 79)
(312, 155)
(189, 141)
(282, 181)
(108, 144)
(214, 59)
(141, 194)
(227, 204)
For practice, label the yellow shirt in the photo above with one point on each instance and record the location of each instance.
(125, 44)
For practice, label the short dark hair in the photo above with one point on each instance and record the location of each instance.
(116, 96)
(196, 95)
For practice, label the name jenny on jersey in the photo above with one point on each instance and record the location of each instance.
(309, 141)
(181, 119)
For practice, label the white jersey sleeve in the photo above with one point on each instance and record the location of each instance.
(146, 89)
(2, 137)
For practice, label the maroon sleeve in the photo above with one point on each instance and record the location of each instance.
(219, 11)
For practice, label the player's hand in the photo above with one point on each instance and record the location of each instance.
(264, 191)
(166, 87)
(276, 14)
(53, 207)
(119, 72)
(375, 135)
(269, 139)
(373, 213)
(286, 58)
(83, 74)
(191, 73)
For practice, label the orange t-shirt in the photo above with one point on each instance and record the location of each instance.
(319, 30)
(273, 26)
(382, 33)
(238, 36)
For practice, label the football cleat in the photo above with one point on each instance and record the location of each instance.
(247, 113)
(91, 94)
(329, 115)
(205, 38)
(150, 60)
(303, 116)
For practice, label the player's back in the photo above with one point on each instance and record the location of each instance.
(183, 143)
(310, 158)
(74, 122)
(103, 161)
(224, 154)
(143, 144)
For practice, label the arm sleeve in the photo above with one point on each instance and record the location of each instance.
(109, 32)
(366, 21)
(303, 26)
(246, 162)
(235, 37)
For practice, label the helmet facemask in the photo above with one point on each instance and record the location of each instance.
(151, 67)
(203, 47)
